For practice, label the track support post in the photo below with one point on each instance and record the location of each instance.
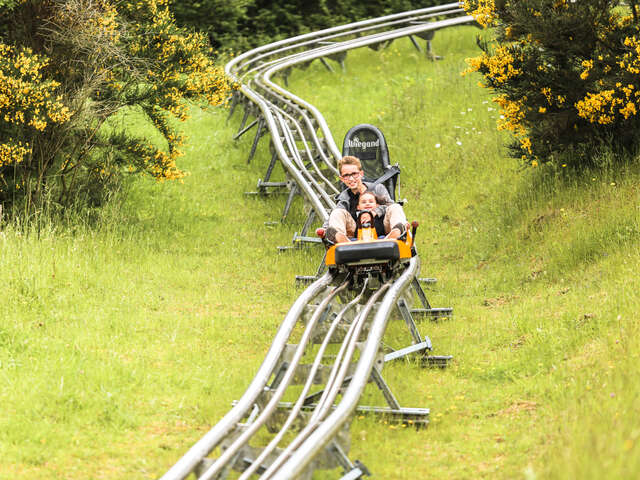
(428, 310)
(259, 133)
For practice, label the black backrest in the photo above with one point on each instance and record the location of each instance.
(367, 143)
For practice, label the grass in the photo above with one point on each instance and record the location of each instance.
(123, 340)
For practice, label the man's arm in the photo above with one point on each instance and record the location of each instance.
(342, 201)
(384, 199)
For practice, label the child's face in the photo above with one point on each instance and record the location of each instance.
(367, 202)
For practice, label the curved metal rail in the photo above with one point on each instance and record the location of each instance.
(330, 311)
(193, 458)
(295, 124)
(318, 437)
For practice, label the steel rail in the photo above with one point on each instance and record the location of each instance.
(315, 442)
(321, 178)
(213, 437)
(357, 43)
(347, 349)
(271, 115)
(328, 31)
(307, 386)
(310, 128)
(286, 162)
(288, 135)
(291, 142)
(230, 452)
(318, 117)
(334, 384)
(323, 42)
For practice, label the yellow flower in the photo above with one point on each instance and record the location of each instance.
(484, 13)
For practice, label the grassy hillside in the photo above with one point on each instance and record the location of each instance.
(124, 338)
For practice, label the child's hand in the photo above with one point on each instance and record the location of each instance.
(366, 217)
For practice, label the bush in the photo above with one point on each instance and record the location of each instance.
(565, 73)
(67, 68)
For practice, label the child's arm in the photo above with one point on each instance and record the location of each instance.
(366, 217)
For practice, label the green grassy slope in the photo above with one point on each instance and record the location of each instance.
(540, 266)
(121, 343)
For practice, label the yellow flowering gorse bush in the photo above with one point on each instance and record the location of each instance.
(28, 102)
(98, 59)
(566, 74)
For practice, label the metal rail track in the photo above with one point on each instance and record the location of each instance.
(300, 137)
(337, 322)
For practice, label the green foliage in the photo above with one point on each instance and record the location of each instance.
(250, 23)
(566, 75)
(67, 70)
(219, 19)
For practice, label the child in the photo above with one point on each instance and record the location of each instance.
(368, 203)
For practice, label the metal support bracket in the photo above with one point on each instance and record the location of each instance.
(340, 58)
(245, 129)
(352, 471)
(428, 36)
(235, 99)
(245, 117)
(263, 186)
(436, 361)
(427, 361)
(384, 388)
(340, 456)
(408, 319)
(427, 280)
(394, 412)
(300, 239)
(259, 133)
(308, 279)
(272, 164)
(402, 415)
(289, 202)
(415, 43)
(326, 64)
(403, 352)
(418, 344)
(428, 310)
(434, 313)
(358, 471)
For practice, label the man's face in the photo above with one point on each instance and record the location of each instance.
(351, 176)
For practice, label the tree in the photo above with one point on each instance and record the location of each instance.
(565, 73)
(249, 23)
(67, 68)
(220, 20)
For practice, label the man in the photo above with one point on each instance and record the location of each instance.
(342, 219)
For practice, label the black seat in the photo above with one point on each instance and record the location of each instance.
(362, 252)
(368, 144)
